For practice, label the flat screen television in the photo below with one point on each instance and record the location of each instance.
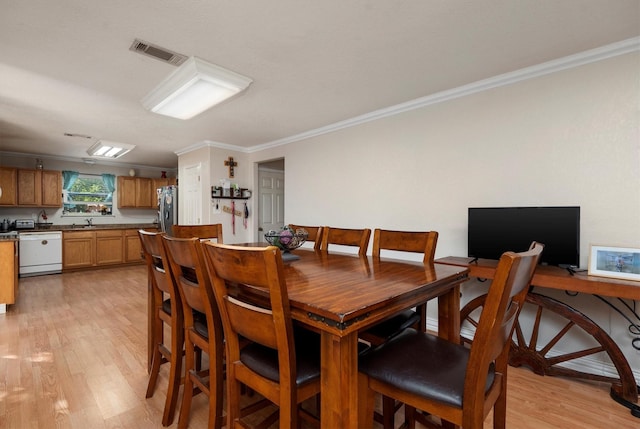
(495, 230)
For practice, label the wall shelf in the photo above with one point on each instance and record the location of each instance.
(241, 193)
(230, 198)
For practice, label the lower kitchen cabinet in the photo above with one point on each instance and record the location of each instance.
(133, 247)
(107, 247)
(8, 271)
(78, 249)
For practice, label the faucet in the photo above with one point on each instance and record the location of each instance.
(89, 221)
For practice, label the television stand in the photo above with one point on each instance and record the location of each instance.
(529, 353)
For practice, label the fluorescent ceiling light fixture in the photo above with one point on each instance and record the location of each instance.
(109, 150)
(193, 88)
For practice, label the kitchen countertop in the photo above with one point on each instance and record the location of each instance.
(83, 227)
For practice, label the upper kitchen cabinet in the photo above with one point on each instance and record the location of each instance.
(39, 188)
(51, 188)
(126, 192)
(136, 192)
(143, 193)
(8, 186)
(157, 184)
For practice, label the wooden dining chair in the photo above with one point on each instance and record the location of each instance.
(281, 363)
(400, 241)
(403, 241)
(346, 237)
(460, 385)
(167, 310)
(315, 234)
(209, 231)
(202, 326)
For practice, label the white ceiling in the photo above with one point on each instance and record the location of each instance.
(66, 67)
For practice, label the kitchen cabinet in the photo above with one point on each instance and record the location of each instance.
(9, 186)
(132, 245)
(136, 192)
(78, 249)
(51, 188)
(126, 192)
(29, 187)
(8, 271)
(159, 183)
(109, 247)
(39, 188)
(143, 193)
(101, 247)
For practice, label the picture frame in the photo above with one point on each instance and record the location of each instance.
(614, 262)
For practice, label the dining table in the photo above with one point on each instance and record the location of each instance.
(341, 294)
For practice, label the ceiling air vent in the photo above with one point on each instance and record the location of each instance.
(157, 52)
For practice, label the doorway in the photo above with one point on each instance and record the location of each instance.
(270, 197)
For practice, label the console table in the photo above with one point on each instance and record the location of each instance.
(529, 353)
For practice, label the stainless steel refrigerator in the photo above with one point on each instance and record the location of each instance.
(168, 208)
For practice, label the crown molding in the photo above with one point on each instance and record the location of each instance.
(209, 143)
(571, 61)
(94, 161)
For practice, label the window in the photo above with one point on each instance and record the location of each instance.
(88, 194)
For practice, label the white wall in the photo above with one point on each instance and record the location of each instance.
(213, 170)
(568, 138)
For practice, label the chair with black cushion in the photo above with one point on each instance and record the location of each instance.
(281, 363)
(167, 310)
(459, 385)
(202, 326)
(209, 231)
(404, 241)
(315, 234)
(423, 242)
(346, 237)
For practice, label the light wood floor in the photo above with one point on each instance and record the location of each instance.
(73, 355)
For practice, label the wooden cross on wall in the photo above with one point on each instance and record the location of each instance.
(231, 164)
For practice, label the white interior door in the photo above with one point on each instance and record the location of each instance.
(190, 196)
(271, 201)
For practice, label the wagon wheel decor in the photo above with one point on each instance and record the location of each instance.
(527, 352)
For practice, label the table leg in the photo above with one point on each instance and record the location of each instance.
(449, 315)
(339, 381)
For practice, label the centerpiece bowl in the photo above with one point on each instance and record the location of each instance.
(286, 240)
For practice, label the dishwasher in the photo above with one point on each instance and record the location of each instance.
(40, 253)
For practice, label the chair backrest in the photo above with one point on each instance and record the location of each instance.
(189, 270)
(157, 263)
(200, 231)
(267, 322)
(406, 241)
(315, 234)
(503, 303)
(346, 237)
